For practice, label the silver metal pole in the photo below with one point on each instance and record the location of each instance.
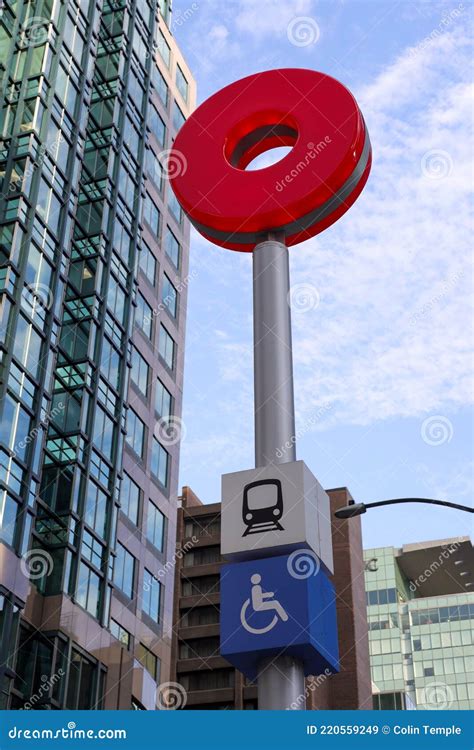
(281, 682)
(273, 360)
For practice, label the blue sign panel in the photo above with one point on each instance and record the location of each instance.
(275, 605)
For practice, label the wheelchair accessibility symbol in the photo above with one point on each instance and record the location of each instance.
(262, 601)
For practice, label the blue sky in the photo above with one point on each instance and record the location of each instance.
(382, 315)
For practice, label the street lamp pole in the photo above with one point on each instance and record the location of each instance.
(356, 509)
(280, 679)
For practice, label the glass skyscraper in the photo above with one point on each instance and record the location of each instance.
(421, 624)
(93, 287)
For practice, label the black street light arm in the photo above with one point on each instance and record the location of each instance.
(356, 509)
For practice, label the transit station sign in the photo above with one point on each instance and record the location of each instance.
(275, 508)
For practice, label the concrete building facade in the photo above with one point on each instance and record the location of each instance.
(420, 604)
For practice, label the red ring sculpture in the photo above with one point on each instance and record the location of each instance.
(296, 198)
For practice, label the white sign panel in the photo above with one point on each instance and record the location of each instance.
(280, 507)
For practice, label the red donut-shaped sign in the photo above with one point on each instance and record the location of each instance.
(298, 197)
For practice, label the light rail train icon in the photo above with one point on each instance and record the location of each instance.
(262, 506)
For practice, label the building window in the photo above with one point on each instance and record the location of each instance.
(154, 169)
(92, 550)
(151, 215)
(208, 680)
(389, 702)
(82, 683)
(103, 433)
(160, 84)
(178, 117)
(436, 615)
(140, 372)
(160, 462)
(147, 263)
(15, 427)
(144, 316)
(130, 498)
(120, 633)
(206, 527)
(95, 511)
(201, 585)
(182, 83)
(48, 205)
(202, 556)
(31, 658)
(27, 346)
(169, 296)
(382, 596)
(148, 660)
(88, 590)
(200, 616)
(131, 137)
(163, 48)
(155, 526)
(122, 241)
(127, 187)
(166, 347)
(116, 301)
(135, 89)
(110, 363)
(151, 596)
(172, 248)
(9, 509)
(163, 400)
(157, 126)
(135, 433)
(175, 207)
(124, 571)
(199, 647)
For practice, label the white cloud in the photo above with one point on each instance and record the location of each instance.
(390, 335)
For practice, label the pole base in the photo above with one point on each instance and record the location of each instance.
(281, 684)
